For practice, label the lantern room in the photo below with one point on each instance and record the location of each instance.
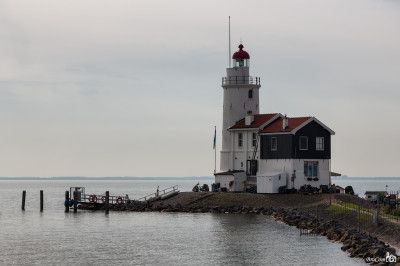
(241, 58)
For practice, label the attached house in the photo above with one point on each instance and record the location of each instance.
(273, 151)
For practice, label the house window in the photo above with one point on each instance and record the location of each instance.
(303, 143)
(274, 143)
(319, 144)
(250, 94)
(310, 169)
(240, 139)
(254, 140)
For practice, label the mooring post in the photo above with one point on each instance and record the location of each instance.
(23, 200)
(359, 218)
(41, 200)
(107, 207)
(75, 201)
(66, 203)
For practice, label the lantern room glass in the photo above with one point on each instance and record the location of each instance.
(241, 62)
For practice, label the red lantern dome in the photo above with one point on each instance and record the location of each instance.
(241, 54)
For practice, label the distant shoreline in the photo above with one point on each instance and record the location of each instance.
(109, 178)
(171, 178)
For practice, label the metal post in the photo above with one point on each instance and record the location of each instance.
(41, 200)
(107, 203)
(66, 201)
(359, 216)
(75, 201)
(23, 200)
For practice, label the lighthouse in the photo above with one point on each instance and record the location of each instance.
(240, 99)
(267, 153)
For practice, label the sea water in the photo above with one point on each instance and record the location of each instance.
(130, 238)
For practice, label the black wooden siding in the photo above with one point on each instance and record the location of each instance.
(284, 147)
(288, 144)
(312, 131)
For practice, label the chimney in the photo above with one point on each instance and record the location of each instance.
(285, 123)
(248, 119)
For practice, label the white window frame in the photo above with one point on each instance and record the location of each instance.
(320, 143)
(240, 139)
(274, 148)
(253, 139)
(300, 148)
(313, 167)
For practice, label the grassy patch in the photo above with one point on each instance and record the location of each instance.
(337, 209)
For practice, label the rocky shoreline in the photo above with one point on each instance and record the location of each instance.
(356, 243)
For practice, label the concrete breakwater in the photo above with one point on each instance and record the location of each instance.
(293, 210)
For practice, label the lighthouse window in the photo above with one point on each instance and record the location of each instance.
(250, 94)
(303, 143)
(240, 139)
(319, 144)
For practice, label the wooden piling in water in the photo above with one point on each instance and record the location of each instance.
(107, 203)
(75, 201)
(23, 200)
(66, 201)
(41, 200)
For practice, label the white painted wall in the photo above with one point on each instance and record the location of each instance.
(265, 167)
(224, 180)
(244, 153)
(323, 173)
(271, 183)
(288, 166)
(237, 178)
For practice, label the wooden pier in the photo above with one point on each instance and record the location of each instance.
(80, 197)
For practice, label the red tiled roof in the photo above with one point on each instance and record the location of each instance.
(276, 126)
(258, 121)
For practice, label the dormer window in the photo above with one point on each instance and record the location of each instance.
(303, 143)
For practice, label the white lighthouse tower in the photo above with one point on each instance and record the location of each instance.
(241, 99)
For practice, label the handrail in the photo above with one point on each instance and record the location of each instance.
(160, 193)
(241, 80)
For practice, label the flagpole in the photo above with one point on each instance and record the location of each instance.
(215, 149)
(229, 42)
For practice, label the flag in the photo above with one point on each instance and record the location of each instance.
(215, 138)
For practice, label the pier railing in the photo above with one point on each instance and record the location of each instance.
(241, 80)
(93, 198)
(160, 193)
(101, 198)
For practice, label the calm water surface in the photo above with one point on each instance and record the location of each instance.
(92, 238)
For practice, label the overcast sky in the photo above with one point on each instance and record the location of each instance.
(132, 88)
